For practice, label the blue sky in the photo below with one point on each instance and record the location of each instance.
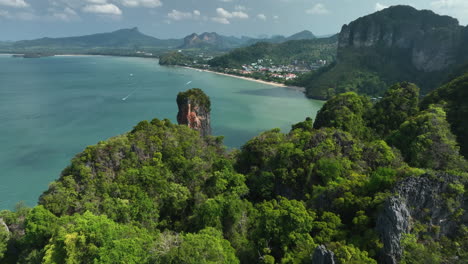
(28, 19)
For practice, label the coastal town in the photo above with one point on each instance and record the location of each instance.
(262, 69)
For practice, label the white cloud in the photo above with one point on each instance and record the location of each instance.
(262, 16)
(226, 14)
(105, 9)
(68, 14)
(14, 3)
(318, 9)
(221, 20)
(275, 17)
(142, 3)
(97, 1)
(379, 6)
(177, 15)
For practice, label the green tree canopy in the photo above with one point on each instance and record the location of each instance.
(206, 247)
(399, 102)
(346, 112)
(427, 142)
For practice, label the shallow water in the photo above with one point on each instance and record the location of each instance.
(52, 108)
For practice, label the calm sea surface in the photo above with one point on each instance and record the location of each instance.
(52, 108)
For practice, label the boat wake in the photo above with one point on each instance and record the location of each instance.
(130, 94)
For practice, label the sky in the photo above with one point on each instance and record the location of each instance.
(30, 19)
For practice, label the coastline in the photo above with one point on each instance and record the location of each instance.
(296, 88)
(77, 55)
(299, 89)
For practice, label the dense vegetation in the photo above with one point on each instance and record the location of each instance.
(175, 58)
(196, 96)
(284, 53)
(367, 73)
(163, 194)
(452, 97)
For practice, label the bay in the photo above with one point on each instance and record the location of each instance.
(52, 108)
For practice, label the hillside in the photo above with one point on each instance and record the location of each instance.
(282, 53)
(211, 41)
(396, 44)
(215, 41)
(120, 39)
(336, 190)
(453, 97)
(306, 34)
(128, 41)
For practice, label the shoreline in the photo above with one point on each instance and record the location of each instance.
(296, 88)
(299, 89)
(86, 55)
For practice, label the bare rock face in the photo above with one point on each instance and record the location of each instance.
(422, 199)
(194, 40)
(194, 111)
(323, 256)
(429, 41)
(4, 225)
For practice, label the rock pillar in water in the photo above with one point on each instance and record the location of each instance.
(194, 110)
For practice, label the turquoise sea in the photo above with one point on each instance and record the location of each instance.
(52, 108)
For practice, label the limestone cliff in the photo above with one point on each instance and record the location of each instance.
(194, 110)
(209, 40)
(431, 42)
(396, 44)
(430, 200)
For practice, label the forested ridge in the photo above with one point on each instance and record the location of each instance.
(310, 51)
(162, 194)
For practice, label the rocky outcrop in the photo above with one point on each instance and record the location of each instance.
(194, 111)
(206, 39)
(323, 256)
(4, 225)
(430, 41)
(420, 199)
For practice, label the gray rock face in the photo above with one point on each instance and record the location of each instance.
(421, 199)
(393, 222)
(323, 256)
(431, 42)
(4, 225)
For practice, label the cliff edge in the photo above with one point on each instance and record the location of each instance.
(434, 202)
(194, 110)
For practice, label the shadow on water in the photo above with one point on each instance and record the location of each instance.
(278, 92)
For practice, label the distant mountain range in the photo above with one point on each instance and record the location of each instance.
(122, 39)
(219, 42)
(133, 39)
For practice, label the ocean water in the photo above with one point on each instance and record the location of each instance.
(52, 108)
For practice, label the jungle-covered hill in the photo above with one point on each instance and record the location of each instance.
(365, 182)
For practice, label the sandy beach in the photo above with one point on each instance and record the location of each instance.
(300, 89)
